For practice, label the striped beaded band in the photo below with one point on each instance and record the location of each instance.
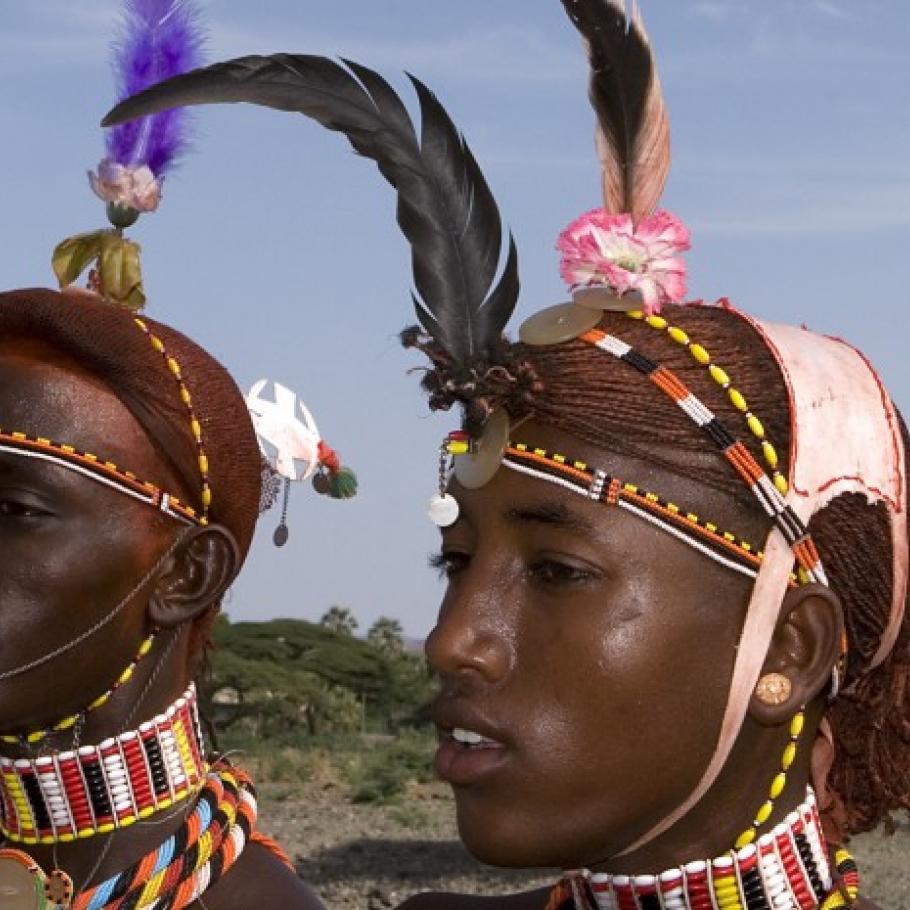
(705, 536)
(97, 789)
(95, 468)
(69, 721)
(195, 426)
(787, 869)
(739, 457)
(193, 858)
(722, 378)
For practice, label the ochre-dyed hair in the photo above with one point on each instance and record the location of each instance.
(589, 394)
(104, 338)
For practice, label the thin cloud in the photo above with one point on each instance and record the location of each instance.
(713, 10)
(830, 9)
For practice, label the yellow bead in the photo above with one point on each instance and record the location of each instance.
(98, 702)
(700, 354)
(146, 646)
(86, 833)
(185, 396)
(35, 737)
(764, 813)
(129, 820)
(146, 812)
(779, 782)
(207, 496)
(781, 483)
(541, 453)
(796, 725)
(770, 453)
(125, 676)
(203, 464)
(105, 828)
(66, 723)
(458, 448)
(656, 322)
(560, 458)
(745, 839)
(672, 507)
(67, 838)
(173, 366)
(635, 314)
(755, 425)
(678, 335)
(718, 375)
(47, 839)
(157, 344)
(30, 840)
(196, 428)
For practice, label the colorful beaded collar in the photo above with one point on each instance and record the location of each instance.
(786, 869)
(97, 789)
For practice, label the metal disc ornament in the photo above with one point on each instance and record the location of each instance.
(604, 300)
(21, 882)
(557, 324)
(474, 470)
(443, 510)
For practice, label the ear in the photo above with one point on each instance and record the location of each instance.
(195, 577)
(804, 649)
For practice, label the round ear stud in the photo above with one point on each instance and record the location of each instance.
(482, 460)
(558, 323)
(605, 300)
(773, 689)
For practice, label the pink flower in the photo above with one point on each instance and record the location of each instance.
(602, 250)
(135, 187)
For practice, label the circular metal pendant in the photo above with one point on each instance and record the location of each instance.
(58, 889)
(21, 882)
(605, 300)
(473, 471)
(557, 324)
(443, 510)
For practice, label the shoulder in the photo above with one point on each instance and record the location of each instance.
(260, 879)
(528, 900)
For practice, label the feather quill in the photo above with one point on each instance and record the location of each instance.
(633, 134)
(445, 207)
(158, 39)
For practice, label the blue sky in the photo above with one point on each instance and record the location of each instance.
(276, 248)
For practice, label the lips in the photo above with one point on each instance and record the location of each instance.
(471, 749)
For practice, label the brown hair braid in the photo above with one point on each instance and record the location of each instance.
(589, 394)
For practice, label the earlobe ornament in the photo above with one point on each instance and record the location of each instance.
(773, 689)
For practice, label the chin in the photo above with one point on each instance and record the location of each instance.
(502, 837)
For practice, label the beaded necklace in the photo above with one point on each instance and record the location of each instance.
(98, 789)
(785, 869)
(68, 722)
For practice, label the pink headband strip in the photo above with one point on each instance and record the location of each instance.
(845, 438)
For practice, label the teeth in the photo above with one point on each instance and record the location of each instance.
(468, 737)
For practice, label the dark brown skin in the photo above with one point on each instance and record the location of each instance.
(599, 650)
(71, 550)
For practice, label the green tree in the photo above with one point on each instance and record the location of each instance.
(387, 636)
(340, 620)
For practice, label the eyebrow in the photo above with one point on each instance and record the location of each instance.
(552, 514)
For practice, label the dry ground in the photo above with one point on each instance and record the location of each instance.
(367, 857)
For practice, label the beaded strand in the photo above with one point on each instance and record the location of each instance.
(195, 426)
(722, 378)
(70, 720)
(778, 783)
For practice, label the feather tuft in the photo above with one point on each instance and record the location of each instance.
(633, 134)
(158, 39)
(445, 207)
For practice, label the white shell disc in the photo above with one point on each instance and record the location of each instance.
(443, 510)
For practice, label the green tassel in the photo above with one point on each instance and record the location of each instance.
(343, 485)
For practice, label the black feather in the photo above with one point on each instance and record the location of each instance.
(445, 207)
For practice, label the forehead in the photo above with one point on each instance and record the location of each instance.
(509, 490)
(49, 394)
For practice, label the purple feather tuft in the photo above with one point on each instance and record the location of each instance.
(159, 39)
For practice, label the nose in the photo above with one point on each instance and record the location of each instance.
(472, 636)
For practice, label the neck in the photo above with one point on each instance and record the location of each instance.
(94, 798)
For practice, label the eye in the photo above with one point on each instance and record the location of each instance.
(19, 508)
(449, 563)
(559, 573)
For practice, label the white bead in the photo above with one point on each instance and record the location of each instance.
(443, 510)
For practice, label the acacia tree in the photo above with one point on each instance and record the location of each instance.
(387, 636)
(340, 620)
